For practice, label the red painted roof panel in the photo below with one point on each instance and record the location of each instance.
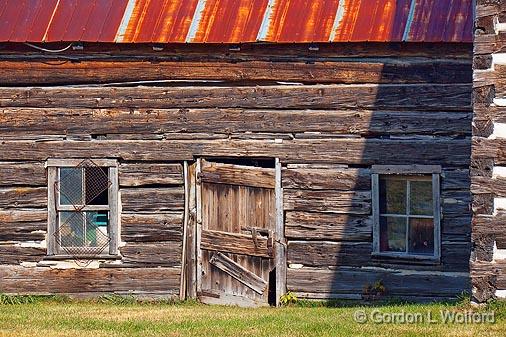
(230, 21)
(41, 20)
(236, 21)
(304, 20)
(158, 21)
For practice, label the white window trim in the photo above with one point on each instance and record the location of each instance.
(406, 170)
(113, 203)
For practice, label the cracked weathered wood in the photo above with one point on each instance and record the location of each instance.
(238, 272)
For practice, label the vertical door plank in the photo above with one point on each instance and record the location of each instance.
(280, 245)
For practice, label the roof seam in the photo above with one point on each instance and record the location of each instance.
(50, 21)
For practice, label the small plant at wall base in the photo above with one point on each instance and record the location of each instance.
(288, 299)
(374, 291)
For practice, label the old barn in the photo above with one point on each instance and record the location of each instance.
(234, 150)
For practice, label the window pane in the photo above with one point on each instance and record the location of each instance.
(392, 195)
(97, 185)
(392, 234)
(71, 186)
(421, 198)
(71, 233)
(421, 236)
(97, 229)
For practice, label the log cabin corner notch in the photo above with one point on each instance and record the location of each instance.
(200, 135)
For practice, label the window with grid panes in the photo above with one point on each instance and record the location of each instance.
(406, 214)
(83, 207)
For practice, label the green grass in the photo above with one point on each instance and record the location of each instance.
(117, 316)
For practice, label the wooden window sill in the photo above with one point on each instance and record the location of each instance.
(418, 259)
(84, 257)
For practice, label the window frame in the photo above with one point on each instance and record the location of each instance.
(433, 172)
(53, 165)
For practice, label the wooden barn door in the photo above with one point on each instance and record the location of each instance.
(236, 225)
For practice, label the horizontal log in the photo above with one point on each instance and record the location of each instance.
(327, 226)
(252, 51)
(15, 254)
(364, 71)
(396, 282)
(31, 121)
(456, 203)
(327, 253)
(489, 43)
(152, 199)
(489, 8)
(139, 227)
(496, 78)
(241, 175)
(23, 197)
(19, 173)
(492, 226)
(327, 201)
(455, 179)
(455, 255)
(321, 178)
(485, 185)
(23, 224)
(141, 174)
(419, 97)
(501, 275)
(484, 280)
(235, 243)
(484, 148)
(165, 254)
(492, 113)
(460, 225)
(336, 150)
(16, 279)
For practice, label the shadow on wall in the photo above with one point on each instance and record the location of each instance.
(418, 117)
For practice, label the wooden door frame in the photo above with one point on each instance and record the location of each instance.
(194, 230)
(279, 239)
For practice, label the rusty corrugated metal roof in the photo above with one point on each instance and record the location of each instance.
(235, 21)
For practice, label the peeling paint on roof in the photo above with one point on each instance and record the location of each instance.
(236, 21)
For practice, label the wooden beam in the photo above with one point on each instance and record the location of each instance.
(141, 174)
(241, 175)
(151, 227)
(23, 197)
(327, 178)
(363, 71)
(152, 254)
(327, 226)
(191, 256)
(279, 237)
(331, 201)
(329, 253)
(184, 252)
(198, 227)
(416, 97)
(21, 173)
(169, 122)
(152, 199)
(23, 224)
(235, 243)
(334, 150)
(42, 280)
(238, 272)
(397, 282)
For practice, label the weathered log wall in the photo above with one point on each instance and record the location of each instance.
(152, 199)
(328, 115)
(488, 165)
